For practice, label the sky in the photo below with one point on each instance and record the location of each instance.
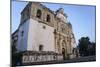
(82, 17)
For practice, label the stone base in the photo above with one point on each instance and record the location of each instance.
(38, 56)
(33, 56)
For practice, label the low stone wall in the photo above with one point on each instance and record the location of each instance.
(30, 57)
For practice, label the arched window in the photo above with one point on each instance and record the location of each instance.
(48, 18)
(40, 47)
(38, 15)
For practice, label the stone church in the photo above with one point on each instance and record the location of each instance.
(44, 34)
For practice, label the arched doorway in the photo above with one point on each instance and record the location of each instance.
(63, 53)
(64, 49)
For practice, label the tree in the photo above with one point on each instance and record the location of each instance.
(83, 46)
(13, 49)
(13, 54)
(86, 47)
(16, 57)
(92, 49)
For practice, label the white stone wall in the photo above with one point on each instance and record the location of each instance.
(37, 35)
(22, 40)
(73, 43)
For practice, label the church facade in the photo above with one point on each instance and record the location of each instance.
(44, 33)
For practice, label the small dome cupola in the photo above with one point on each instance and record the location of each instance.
(61, 15)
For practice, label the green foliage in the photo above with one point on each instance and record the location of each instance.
(13, 49)
(86, 47)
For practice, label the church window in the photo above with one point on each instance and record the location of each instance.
(38, 15)
(22, 16)
(63, 29)
(44, 27)
(48, 18)
(22, 33)
(40, 47)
